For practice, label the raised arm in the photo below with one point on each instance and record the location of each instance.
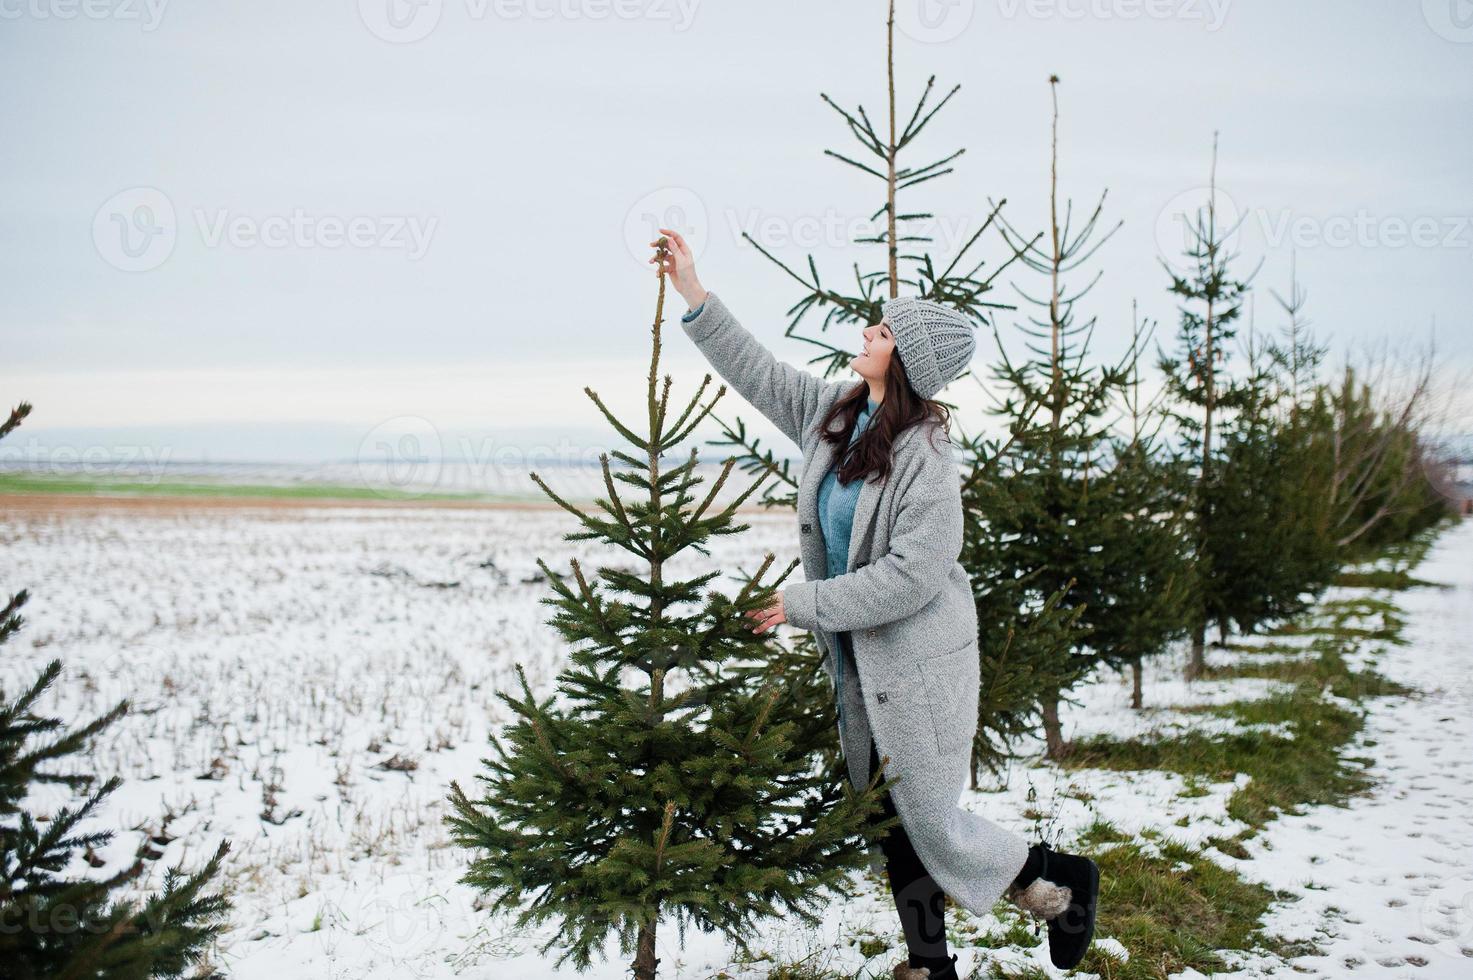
(788, 396)
(924, 545)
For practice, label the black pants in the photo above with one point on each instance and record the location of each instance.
(919, 900)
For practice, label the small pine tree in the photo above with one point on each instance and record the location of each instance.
(1149, 576)
(58, 924)
(1267, 543)
(679, 776)
(1200, 389)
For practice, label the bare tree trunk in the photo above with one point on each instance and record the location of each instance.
(645, 961)
(1053, 733)
(1197, 665)
(1135, 684)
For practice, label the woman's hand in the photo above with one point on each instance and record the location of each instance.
(765, 619)
(680, 266)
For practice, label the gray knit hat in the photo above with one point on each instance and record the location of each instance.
(935, 342)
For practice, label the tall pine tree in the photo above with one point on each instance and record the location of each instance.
(961, 280)
(58, 923)
(1268, 543)
(1062, 528)
(680, 775)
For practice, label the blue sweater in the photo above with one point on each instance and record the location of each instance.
(836, 502)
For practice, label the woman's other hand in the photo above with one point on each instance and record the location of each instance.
(766, 619)
(680, 266)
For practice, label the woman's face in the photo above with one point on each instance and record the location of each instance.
(879, 345)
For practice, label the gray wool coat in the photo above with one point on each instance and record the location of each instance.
(908, 605)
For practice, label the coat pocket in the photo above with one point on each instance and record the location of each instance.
(950, 699)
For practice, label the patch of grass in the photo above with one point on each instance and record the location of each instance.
(1326, 668)
(998, 972)
(1337, 631)
(1363, 607)
(1296, 762)
(1193, 789)
(1277, 670)
(809, 967)
(1233, 846)
(1277, 649)
(1170, 905)
(1018, 932)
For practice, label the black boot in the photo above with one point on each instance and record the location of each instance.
(904, 971)
(1070, 932)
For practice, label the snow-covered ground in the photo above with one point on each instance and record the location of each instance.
(1386, 885)
(306, 683)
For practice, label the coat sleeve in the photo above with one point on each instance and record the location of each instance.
(787, 396)
(924, 544)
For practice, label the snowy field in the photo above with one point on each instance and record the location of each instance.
(306, 683)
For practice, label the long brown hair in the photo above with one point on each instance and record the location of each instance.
(901, 409)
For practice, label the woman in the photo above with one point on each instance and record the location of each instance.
(892, 608)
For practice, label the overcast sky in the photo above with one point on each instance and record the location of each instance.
(314, 218)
